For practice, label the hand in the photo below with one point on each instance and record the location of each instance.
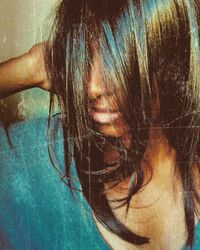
(37, 68)
(24, 72)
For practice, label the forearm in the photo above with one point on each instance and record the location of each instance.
(16, 75)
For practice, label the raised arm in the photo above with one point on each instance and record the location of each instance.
(24, 72)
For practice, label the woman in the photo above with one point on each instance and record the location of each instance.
(126, 76)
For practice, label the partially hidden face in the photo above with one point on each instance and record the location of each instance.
(103, 109)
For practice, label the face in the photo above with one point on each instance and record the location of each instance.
(103, 109)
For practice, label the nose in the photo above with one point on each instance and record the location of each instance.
(94, 89)
(95, 86)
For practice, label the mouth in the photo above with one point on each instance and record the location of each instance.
(103, 116)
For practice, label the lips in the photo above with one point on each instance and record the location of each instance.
(102, 115)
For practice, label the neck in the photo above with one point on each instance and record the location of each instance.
(160, 157)
(158, 163)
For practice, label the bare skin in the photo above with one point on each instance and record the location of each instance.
(24, 72)
(157, 210)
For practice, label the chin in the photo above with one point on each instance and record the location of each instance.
(117, 129)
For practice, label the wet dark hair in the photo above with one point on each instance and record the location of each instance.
(141, 44)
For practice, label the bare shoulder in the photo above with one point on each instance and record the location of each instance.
(113, 240)
(196, 177)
